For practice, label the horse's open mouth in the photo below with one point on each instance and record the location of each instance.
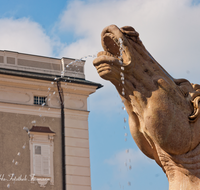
(116, 52)
(113, 46)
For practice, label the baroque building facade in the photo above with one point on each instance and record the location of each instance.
(44, 140)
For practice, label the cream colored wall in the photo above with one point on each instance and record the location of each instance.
(77, 137)
(77, 150)
(17, 110)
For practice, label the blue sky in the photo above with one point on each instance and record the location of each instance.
(170, 31)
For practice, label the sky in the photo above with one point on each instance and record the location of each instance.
(169, 30)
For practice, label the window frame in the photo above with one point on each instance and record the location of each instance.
(41, 139)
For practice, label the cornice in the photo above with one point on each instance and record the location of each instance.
(29, 110)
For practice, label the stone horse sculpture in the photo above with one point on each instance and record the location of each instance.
(163, 111)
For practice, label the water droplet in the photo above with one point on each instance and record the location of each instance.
(55, 92)
(122, 74)
(123, 108)
(122, 89)
(33, 121)
(122, 81)
(55, 78)
(52, 82)
(67, 65)
(26, 129)
(16, 163)
(8, 185)
(122, 78)
(43, 104)
(130, 167)
(123, 93)
(126, 134)
(124, 120)
(24, 146)
(18, 154)
(129, 183)
(62, 74)
(13, 161)
(127, 150)
(122, 68)
(49, 88)
(40, 115)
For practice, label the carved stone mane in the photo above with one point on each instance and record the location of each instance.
(163, 111)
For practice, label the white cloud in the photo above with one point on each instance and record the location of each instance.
(169, 29)
(24, 36)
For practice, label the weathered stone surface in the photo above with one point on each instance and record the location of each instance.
(163, 111)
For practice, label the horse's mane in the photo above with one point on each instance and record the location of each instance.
(195, 98)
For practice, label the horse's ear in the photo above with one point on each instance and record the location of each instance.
(185, 86)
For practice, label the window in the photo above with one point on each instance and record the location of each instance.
(40, 100)
(41, 154)
(41, 160)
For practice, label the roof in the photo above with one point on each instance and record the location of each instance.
(41, 129)
(48, 77)
(43, 68)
